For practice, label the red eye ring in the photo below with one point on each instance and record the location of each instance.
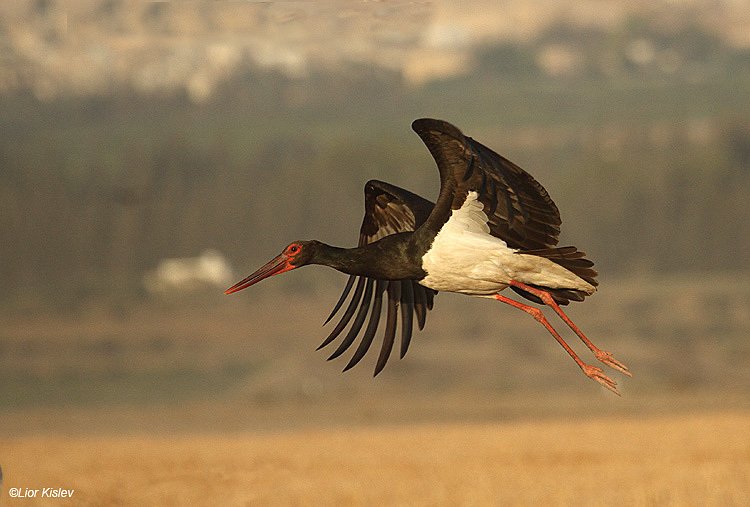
(292, 250)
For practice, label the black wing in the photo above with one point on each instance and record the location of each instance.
(519, 209)
(388, 210)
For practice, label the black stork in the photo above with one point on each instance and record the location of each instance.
(493, 227)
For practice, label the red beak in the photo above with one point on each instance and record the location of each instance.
(277, 265)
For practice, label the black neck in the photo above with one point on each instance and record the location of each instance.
(341, 259)
(391, 258)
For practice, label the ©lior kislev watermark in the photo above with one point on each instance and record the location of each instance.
(40, 493)
(36, 493)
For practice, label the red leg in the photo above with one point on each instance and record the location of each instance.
(601, 355)
(590, 371)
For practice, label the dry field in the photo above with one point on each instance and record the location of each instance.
(230, 405)
(665, 460)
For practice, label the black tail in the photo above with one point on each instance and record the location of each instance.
(574, 261)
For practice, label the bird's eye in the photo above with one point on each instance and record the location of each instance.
(293, 249)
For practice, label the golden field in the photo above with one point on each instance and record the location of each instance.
(662, 460)
(228, 404)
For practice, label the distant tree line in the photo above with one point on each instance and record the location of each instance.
(637, 47)
(94, 192)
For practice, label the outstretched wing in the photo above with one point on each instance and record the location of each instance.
(388, 210)
(518, 208)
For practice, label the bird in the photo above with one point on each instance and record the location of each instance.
(492, 227)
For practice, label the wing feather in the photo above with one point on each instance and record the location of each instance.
(358, 321)
(347, 314)
(407, 315)
(372, 325)
(518, 208)
(420, 304)
(347, 288)
(391, 322)
(388, 210)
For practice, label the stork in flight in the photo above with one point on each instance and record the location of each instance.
(493, 227)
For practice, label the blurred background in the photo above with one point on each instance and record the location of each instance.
(154, 153)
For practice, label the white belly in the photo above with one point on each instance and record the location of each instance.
(465, 258)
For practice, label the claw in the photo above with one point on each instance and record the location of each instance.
(595, 373)
(606, 358)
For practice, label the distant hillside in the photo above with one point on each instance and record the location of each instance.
(89, 47)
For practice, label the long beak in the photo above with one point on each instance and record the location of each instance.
(277, 265)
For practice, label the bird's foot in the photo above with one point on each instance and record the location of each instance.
(606, 358)
(595, 373)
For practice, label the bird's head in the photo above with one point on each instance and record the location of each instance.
(296, 254)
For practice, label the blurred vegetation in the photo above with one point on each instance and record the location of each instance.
(645, 146)
(641, 135)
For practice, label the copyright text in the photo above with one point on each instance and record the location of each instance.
(40, 493)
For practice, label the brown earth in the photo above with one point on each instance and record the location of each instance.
(226, 403)
(700, 459)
